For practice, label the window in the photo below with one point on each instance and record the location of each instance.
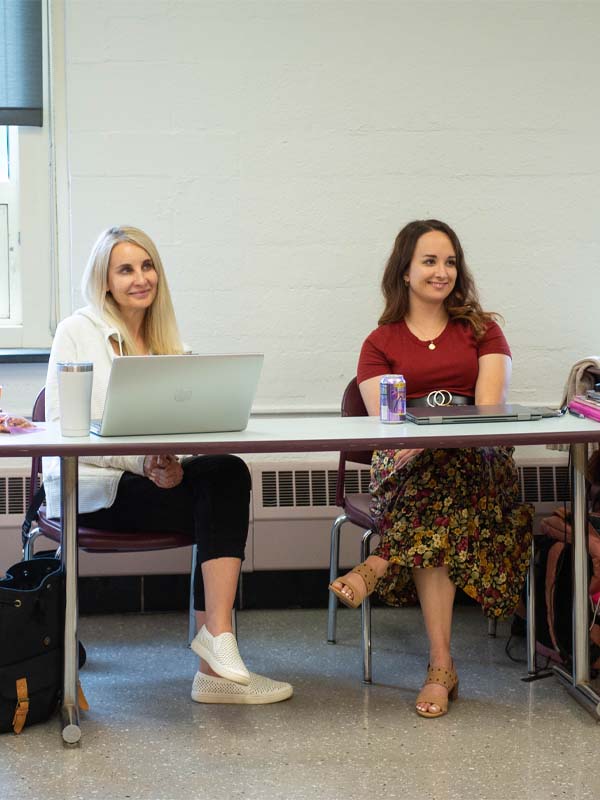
(10, 299)
(34, 206)
(4, 171)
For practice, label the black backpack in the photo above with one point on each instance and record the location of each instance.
(32, 604)
(32, 619)
(554, 590)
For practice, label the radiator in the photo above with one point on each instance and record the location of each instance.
(294, 505)
(292, 510)
(14, 490)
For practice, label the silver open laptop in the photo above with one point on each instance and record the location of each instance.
(179, 394)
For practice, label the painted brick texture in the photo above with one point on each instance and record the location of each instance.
(274, 149)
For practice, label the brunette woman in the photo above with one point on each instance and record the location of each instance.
(446, 518)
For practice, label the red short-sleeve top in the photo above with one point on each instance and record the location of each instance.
(453, 365)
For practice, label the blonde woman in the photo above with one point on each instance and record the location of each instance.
(129, 312)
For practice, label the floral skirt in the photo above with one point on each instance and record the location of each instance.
(458, 508)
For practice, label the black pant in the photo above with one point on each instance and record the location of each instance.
(211, 504)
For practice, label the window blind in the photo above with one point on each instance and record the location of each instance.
(21, 62)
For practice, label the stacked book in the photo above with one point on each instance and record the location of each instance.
(587, 405)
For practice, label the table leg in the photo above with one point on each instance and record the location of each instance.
(365, 614)
(531, 660)
(71, 731)
(533, 673)
(577, 683)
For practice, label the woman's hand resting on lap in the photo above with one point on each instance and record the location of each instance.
(165, 471)
(402, 457)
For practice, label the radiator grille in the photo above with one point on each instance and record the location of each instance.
(293, 488)
(318, 485)
(544, 484)
(308, 487)
(269, 489)
(14, 492)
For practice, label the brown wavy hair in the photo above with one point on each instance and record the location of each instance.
(462, 303)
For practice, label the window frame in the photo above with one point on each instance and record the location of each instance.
(9, 196)
(41, 217)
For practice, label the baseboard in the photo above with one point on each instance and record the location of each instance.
(266, 589)
(136, 593)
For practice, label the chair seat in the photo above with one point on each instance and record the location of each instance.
(357, 507)
(101, 541)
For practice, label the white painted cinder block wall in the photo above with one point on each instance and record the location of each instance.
(274, 149)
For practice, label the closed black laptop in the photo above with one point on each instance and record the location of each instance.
(441, 415)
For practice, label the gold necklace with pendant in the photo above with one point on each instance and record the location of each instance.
(431, 345)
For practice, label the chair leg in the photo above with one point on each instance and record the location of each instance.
(492, 626)
(334, 568)
(531, 634)
(28, 541)
(365, 614)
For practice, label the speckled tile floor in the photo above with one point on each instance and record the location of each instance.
(145, 739)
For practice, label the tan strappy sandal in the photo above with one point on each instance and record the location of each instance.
(443, 677)
(370, 578)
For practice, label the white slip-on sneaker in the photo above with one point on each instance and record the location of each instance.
(221, 654)
(260, 690)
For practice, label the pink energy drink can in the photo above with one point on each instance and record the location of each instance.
(392, 398)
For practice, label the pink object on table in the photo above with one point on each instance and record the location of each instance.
(20, 429)
(584, 409)
(4, 428)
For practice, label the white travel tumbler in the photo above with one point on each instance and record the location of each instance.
(75, 396)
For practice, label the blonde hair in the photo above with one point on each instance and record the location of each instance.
(161, 333)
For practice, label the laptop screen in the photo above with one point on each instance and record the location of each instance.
(179, 394)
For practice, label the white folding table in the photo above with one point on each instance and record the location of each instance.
(317, 434)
